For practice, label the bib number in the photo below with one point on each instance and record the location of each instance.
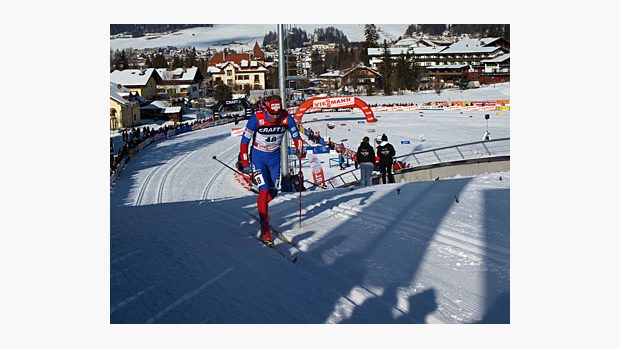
(258, 178)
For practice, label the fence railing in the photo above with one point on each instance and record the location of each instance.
(465, 151)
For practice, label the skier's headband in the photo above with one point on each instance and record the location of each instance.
(273, 107)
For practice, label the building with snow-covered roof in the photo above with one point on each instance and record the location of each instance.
(142, 81)
(470, 51)
(256, 54)
(355, 79)
(245, 75)
(448, 73)
(180, 82)
(423, 56)
(492, 71)
(124, 107)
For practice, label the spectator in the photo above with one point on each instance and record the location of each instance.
(341, 161)
(386, 152)
(366, 157)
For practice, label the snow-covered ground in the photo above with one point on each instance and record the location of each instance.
(432, 252)
(247, 34)
(412, 131)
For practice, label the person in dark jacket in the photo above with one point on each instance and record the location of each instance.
(366, 158)
(386, 152)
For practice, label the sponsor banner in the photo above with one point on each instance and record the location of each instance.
(405, 142)
(236, 132)
(170, 133)
(335, 102)
(210, 124)
(321, 150)
(503, 107)
(317, 171)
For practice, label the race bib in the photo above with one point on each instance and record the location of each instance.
(258, 178)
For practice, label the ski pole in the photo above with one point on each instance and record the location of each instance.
(301, 183)
(216, 159)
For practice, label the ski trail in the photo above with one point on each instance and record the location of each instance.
(162, 183)
(188, 295)
(143, 186)
(209, 185)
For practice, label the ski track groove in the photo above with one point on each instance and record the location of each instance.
(209, 185)
(444, 236)
(162, 182)
(143, 186)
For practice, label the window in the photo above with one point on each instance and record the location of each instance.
(229, 73)
(256, 79)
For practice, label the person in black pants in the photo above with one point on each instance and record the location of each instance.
(386, 152)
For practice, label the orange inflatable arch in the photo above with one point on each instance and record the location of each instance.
(334, 102)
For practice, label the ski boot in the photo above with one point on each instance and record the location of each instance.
(266, 234)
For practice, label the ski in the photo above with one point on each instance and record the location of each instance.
(278, 248)
(277, 234)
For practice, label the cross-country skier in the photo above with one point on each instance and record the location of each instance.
(265, 129)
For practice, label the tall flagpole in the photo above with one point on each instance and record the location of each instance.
(284, 165)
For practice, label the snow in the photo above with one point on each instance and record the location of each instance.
(432, 252)
(187, 74)
(132, 77)
(498, 59)
(221, 34)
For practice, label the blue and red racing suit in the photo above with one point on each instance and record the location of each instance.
(265, 132)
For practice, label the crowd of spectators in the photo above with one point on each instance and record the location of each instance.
(313, 136)
(134, 136)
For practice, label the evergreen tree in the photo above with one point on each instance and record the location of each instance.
(386, 68)
(412, 72)
(177, 62)
(191, 59)
(159, 61)
(222, 92)
(331, 35)
(119, 61)
(318, 67)
(270, 38)
(406, 73)
(412, 28)
(148, 63)
(296, 38)
(372, 35)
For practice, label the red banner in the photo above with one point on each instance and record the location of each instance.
(317, 171)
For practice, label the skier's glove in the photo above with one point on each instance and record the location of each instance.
(299, 149)
(301, 153)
